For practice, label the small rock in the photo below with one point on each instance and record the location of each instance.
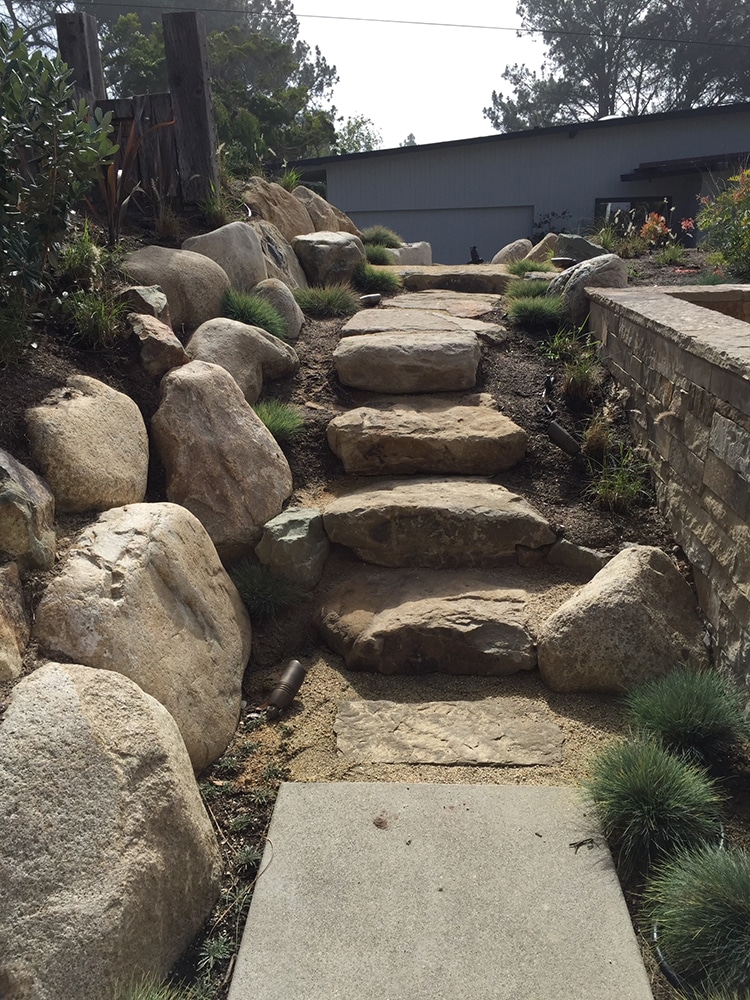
(295, 546)
(27, 516)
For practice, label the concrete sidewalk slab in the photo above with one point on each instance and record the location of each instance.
(380, 891)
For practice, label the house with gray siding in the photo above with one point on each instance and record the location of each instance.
(488, 191)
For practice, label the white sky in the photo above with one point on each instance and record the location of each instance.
(432, 81)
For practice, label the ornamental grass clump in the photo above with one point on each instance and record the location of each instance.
(263, 592)
(519, 288)
(699, 903)
(696, 714)
(651, 804)
(377, 254)
(381, 236)
(368, 279)
(521, 267)
(621, 482)
(281, 419)
(254, 311)
(327, 301)
(537, 315)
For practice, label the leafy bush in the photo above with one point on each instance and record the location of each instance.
(521, 289)
(263, 592)
(539, 314)
(622, 482)
(697, 714)
(326, 301)
(254, 311)
(367, 279)
(521, 267)
(724, 220)
(282, 420)
(700, 902)
(377, 254)
(650, 804)
(382, 236)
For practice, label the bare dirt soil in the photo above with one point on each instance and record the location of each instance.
(239, 791)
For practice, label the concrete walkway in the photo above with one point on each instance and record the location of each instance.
(384, 891)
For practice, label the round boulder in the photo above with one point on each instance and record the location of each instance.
(235, 248)
(606, 271)
(281, 298)
(514, 251)
(329, 258)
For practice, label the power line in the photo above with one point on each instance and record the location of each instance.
(451, 24)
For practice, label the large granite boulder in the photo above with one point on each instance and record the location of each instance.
(295, 546)
(193, 283)
(278, 206)
(91, 445)
(27, 516)
(108, 861)
(436, 523)
(236, 248)
(221, 461)
(142, 592)
(577, 247)
(345, 224)
(322, 215)
(544, 249)
(281, 260)
(248, 353)
(329, 258)
(607, 271)
(387, 362)
(160, 347)
(413, 253)
(14, 623)
(434, 437)
(512, 252)
(280, 296)
(427, 621)
(635, 620)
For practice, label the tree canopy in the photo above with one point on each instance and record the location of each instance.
(625, 57)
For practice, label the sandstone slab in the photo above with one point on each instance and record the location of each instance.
(27, 516)
(635, 620)
(415, 321)
(389, 362)
(221, 461)
(142, 593)
(483, 278)
(14, 623)
(236, 248)
(193, 283)
(91, 445)
(108, 861)
(427, 621)
(329, 258)
(436, 523)
(454, 303)
(469, 733)
(409, 439)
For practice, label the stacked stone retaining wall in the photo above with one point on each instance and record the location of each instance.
(688, 372)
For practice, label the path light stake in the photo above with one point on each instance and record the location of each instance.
(283, 694)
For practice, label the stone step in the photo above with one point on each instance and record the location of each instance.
(415, 621)
(433, 437)
(487, 279)
(456, 303)
(408, 322)
(387, 362)
(379, 890)
(436, 523)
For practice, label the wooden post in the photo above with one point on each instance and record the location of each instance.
(195, 130)
(157, 157)
(78, 43)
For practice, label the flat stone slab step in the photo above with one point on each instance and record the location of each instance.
(409, 439)
(455, 303)
(489, 279)
(416, 621)
(408, 322)
(436, 523)
(492, 731)
(387, 362)
(374, 891)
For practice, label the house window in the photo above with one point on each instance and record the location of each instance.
(605, 209)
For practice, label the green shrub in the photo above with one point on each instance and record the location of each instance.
(698, 714)
(264, 593)
(723, 220)
(377, 254)
(95, 319)
(622, 482)
(382, 236)
(650, 804)
(700, 902)
(673, 253)
(521, 267)
(368, 279)
(537, 315)
(254, 311)
(521, 289)
(582, 379)
(80, 261)
(710, 278)
(326, 302)
(282, 420)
